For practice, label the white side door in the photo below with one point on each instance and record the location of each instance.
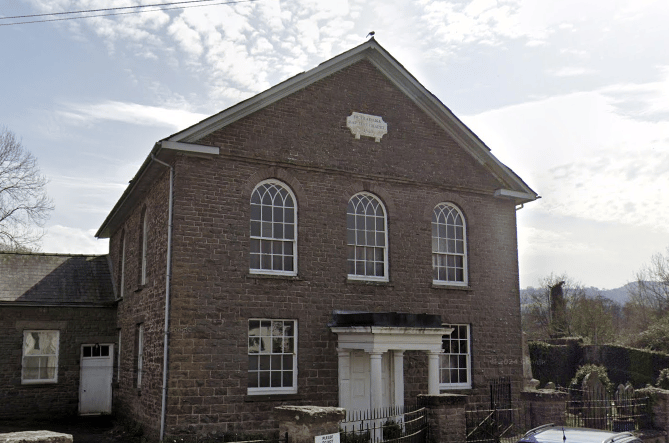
(95, 384)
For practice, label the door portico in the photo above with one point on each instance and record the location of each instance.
(384, 347)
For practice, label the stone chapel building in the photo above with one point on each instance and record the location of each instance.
(340, 239)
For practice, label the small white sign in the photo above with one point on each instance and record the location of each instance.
(329, 438)
(367, 125)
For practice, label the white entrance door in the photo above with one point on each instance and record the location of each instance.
(360, 395)
(95, 384)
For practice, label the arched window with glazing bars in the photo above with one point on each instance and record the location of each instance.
(449, 245)
(367, 238)
(273, 246)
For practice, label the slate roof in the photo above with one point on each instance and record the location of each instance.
(55, 279)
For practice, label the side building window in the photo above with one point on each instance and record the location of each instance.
(273, 247)
(40, 357)
(144, 246)
(366, 238)
(455, 368)
(272, 350)
(140, 354)
(449, 247)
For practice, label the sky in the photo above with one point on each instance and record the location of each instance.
(573, 95)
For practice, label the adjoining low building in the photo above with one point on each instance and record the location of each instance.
(57, 335)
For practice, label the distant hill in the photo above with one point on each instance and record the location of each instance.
(619, 295)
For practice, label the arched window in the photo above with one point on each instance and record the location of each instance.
(449, 245)
(367, 238)
(273, 229)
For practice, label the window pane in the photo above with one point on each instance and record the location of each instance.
(288, 379)
(278, 215)
(264, 363)
(253, 362)
(275, 381)
(263, 379)
(287, 362)
(87, 351)
(253, 379)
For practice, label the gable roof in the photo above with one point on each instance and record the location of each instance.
(513, 187)
(372, 51)
(55, 280)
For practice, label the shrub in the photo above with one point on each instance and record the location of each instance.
(584, 370)
(663, 379)
(391, 430)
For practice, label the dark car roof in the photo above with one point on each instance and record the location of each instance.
(560, 434)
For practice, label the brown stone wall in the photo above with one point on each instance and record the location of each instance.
(304, 142)
(142, 304)
(544, 406)
(77, 326)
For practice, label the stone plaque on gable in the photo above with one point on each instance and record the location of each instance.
(367, 125)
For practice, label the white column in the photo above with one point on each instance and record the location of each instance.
(344, 376)
(375, 380)
(398, 373)
(433, 372)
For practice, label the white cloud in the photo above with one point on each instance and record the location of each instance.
(66, 240)
(586, 159)
(572, 71)
(132, 113)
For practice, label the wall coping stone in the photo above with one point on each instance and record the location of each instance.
(309, 414)
(543, 395)
(35, 437)
(442, 399)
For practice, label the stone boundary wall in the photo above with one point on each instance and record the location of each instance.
(35, 437)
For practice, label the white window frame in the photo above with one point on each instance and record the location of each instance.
(24, 357)
(436, 253)
(260, 238)
(445, 356)
(355, 244)
(273, 390)
(140, 354)
(145, 245)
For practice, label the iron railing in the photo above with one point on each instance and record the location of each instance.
(395, 424)
(601, 410)
(494, 425)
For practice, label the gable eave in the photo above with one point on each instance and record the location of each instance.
(398, 75)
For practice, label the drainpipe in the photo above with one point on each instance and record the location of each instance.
(168, 278)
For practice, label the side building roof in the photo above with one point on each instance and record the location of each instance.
(40, 279)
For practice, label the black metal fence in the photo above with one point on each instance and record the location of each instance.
(497, 425)
(393, 424)
(622, 411)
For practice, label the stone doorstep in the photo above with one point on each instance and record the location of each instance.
(35, 437)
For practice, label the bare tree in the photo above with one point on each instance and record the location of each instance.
(24, 205)
(544, 316)
(652, 288)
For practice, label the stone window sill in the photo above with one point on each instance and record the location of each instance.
(272, 397)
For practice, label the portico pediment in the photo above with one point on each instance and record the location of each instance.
(385, 338)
